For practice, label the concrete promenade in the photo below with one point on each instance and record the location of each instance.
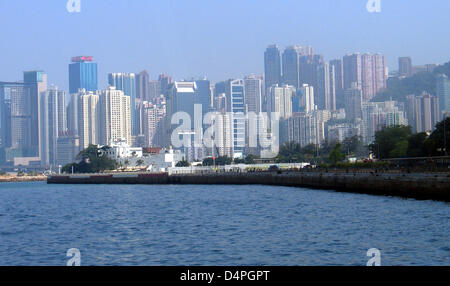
(415, 185)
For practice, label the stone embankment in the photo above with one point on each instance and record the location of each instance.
(415, 185)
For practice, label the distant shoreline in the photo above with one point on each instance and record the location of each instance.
(24, 179)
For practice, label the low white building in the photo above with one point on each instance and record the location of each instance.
(121, 150)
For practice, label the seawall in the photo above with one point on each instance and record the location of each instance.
(419, 186)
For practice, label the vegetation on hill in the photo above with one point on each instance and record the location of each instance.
(398, 88)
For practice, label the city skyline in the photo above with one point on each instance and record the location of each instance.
(187, 51)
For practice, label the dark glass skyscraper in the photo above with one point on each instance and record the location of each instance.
(272, 66)
(291, 66)
(82, 74)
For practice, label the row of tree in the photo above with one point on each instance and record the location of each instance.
(329, 152)
(400, 142)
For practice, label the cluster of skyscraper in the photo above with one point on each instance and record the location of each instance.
(43, 127)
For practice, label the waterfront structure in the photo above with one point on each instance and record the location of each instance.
(405, 67)
(82, 74)
(115, 116)
(272, 66)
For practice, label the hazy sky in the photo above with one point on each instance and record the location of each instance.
(216, 38)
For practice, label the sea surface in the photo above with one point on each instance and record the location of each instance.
(216, 225)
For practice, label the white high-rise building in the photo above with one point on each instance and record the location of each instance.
(152, 120)
(307, 98)
(281, 100)
(115, 116)
(88, 118)
(235, 93)
(53, 123)
(253, 94)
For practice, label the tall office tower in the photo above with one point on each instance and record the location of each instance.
(353, 102)
(443, 92)
(308, 69)
(380, 72)
(143, 86)
(204, 94)
(306, 50)
(325, 95)
(367, 76)
(253, 94)
(68, 147)
(154, 89)
(220, 104)
(38, 82)
(126, 82)
(82, 74)
(222, 134)
(352, 70)
(219, 91)
(165, 82)
(182, 97)
(338, 82)
(281, 100)
(272, 66)
(152, 122)
(52, 121)
(405, 66)
(291, 66)
(411, 112)
(235, 92)
(72, 113)
(115, 116)
(307, 103)
(88, 118)
(16, 121)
